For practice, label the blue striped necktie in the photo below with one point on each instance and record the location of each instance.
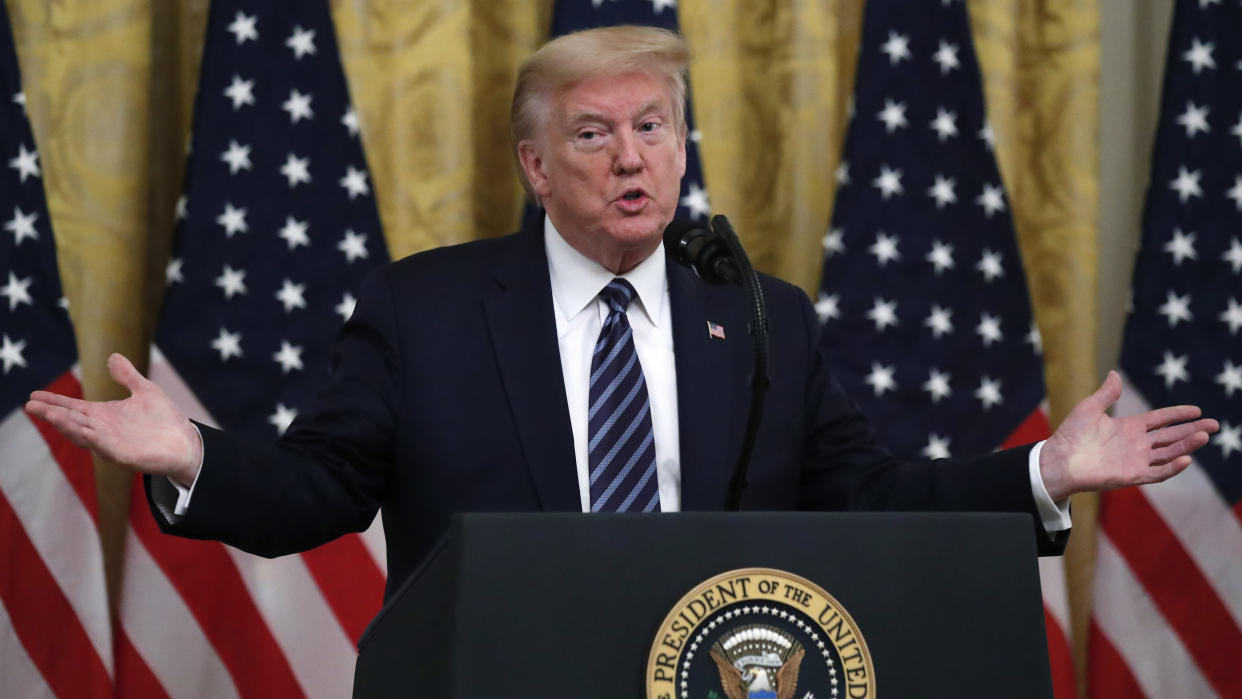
(621, 450)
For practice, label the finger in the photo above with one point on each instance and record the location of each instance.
(1178, 449)
(1167, 416)
(77, 427)
(57, 399)
(1106, 395)
(1172, 433)
(57, 415)
(1163, 472)
(124, 373)
(80, 433)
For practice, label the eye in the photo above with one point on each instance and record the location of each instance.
(648, 126)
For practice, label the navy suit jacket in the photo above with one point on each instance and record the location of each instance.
(447, 396)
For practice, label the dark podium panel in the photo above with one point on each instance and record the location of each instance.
(568, 605)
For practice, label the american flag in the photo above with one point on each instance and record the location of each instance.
(276, 228)
(923, 301)
(575, 15)
(1167, 609)
(55, 636)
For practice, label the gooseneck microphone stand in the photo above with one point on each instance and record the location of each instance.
(716, 256)
(759, 380)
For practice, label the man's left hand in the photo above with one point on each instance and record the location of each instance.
(1091, 451)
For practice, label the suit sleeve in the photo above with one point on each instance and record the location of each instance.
(327, 475)
(846, 469)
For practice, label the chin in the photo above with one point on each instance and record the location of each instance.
(638, 231)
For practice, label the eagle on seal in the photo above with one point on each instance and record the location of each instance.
(756, 682)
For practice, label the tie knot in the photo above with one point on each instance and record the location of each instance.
(618, 294)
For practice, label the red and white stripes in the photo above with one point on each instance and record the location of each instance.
(1057, 627)
(202, 619)
(1051, 579)
(55, 636)
(1167, 600)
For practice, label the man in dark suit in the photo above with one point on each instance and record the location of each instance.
(572, 367)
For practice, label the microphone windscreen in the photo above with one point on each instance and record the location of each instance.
(677, 231)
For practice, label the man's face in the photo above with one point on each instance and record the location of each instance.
(608, 167)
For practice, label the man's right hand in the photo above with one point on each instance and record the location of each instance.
(146, 432)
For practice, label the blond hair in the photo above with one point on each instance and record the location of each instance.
(590, 54)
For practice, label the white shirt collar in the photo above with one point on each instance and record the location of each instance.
(577, 279)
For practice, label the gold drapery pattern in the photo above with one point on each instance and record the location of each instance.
(1040, 64)
(110, 86)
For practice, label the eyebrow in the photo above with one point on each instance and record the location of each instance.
(652, 105)
(586, 116)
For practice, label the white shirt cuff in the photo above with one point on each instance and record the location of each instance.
(1054, 515)
(161, 493)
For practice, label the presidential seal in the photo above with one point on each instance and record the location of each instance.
(759, 633)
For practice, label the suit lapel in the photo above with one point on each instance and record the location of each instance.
(706, 369)
(523, 334)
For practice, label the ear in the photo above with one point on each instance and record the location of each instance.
(681, 155)
(532, 165)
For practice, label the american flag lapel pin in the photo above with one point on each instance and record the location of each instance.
(715, 330)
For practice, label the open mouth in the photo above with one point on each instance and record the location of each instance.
(632, 197)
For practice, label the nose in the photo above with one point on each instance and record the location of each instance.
(627, 159)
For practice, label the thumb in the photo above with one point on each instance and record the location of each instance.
(124, 373)
(1106, 394)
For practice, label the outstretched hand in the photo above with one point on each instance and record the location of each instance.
(146, 432)
(1091, 451)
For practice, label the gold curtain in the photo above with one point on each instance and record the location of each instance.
(1041, 63)
(110, 87)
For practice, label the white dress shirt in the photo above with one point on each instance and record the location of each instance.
(580, 313)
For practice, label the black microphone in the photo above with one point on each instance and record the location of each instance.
(703, 250)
